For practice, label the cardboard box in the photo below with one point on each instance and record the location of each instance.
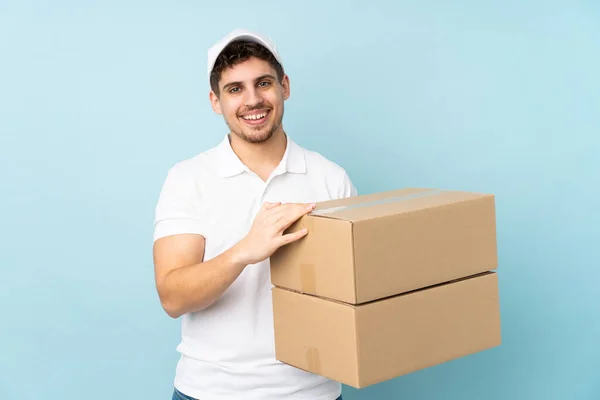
(360, 345)
(368, 247)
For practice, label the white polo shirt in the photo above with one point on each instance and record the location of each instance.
(227, 350)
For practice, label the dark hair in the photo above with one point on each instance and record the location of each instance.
(239, 51)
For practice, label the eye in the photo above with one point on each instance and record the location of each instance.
(234, 89)
(264, 83)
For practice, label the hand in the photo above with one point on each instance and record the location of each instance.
(266, 234)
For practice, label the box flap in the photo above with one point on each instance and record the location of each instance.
(388, 203)
(334, 208)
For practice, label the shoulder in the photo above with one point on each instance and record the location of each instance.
(188, 179)
(185, 180)
(194, 167)
(181, 203)
(317, 162)
(322, 168)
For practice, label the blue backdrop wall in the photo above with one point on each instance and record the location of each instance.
(97, 101)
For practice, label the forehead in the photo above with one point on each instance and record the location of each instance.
(246, 71)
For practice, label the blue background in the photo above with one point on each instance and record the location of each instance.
(98, 101)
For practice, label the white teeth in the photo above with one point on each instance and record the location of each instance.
(255, 117)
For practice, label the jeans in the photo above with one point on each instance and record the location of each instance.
(177, 395)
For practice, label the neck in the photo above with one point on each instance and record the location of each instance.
(261, 158)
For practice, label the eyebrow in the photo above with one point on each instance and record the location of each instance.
(239, 83)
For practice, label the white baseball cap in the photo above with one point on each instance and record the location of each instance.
(237, 34)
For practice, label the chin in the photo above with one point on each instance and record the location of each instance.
(255, 134)
(256, 137)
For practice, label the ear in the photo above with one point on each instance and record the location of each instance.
(285, 83)
(214, 101)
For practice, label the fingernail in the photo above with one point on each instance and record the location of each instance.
(310, 206)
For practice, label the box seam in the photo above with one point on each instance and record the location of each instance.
(478, 199)
(357, 314)
(358, 305)
(354, 277)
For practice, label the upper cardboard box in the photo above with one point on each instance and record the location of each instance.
(372, 246)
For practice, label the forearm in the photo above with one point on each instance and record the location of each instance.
(194, 287)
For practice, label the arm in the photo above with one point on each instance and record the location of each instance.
(185, 283)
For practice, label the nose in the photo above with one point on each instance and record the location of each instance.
(253, 97)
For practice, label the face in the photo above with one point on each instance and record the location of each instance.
(251, 100)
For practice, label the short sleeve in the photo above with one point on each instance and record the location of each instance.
(178, 207)
(348, 189)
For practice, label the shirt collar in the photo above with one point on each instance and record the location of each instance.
(228, 163)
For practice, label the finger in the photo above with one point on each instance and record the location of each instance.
(293, 215)
(276, 214)
(273, 219)
(292, 237)
(269, 205)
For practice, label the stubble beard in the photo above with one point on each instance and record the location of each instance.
(258, 138)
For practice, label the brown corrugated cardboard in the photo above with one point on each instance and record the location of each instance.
(373, 246)
(360, 345)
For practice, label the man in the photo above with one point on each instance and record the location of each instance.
(220, 216)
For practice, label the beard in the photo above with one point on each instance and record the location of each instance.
(256, 135)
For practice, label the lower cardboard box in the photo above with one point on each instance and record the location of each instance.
(361, 345)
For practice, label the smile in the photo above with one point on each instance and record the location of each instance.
(254, 117)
